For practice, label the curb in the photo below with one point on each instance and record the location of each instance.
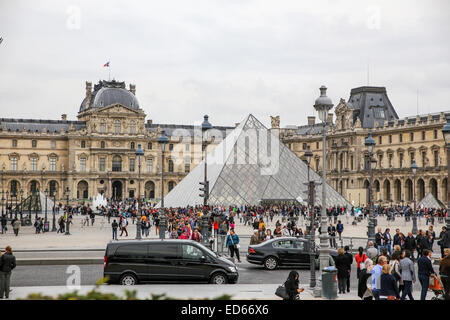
(50, 262)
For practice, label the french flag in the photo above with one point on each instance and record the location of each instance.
(106, 64)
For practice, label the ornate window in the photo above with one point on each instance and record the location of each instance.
(132, 146)
(187, 147)
(53, 144)
(149, 165)
(436, 158)
(132, 127)
(102, 144)
(412, 136)
(14, 163)
(103, 126)
(132, 164)
(412, 157)
(423, 135)
(117, 164)
(171, 185)
(390, 138)
(187, 165)
(33, 164)
(380, 140)
(170, 166)
(378, 113)
(400, 160)
(435, 134)
(117, 126)
(83, 144)
(13, 188)
(170, 146)
(14, 143)
(52, 164)
(52, 188)
(149, 146)
(33, 143)
(102, 164)
(83, 164)
(400, 137)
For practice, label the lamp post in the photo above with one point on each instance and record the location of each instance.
(370, 144)
(6, 205)
(54, 212)
(3, 199)
(45, 216)
(323, 104)
(414, 172)
(446, 134)
(312, 242)
(67, 212)
(21, 204)
(139, 154)
(205, 218)
(162, 141)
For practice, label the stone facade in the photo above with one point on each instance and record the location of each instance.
(96, 153)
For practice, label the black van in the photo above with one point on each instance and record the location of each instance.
(135, 261)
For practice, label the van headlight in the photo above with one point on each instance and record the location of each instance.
(232, 269)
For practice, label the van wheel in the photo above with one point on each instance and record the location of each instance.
(128, 279)
(219, 278)
(271, 263)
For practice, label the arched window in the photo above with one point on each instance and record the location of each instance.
(132, 146)
(117, 164)
(117, 126)
(170, 166)
(132, 127)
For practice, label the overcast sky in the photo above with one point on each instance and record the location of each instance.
(225, 58)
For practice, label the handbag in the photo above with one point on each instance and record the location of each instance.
(281, 292)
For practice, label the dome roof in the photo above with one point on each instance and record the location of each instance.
(107, 93)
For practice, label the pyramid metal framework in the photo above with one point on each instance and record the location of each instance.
(251, 165)
(429, 201)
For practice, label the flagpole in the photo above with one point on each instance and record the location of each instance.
(109, 68)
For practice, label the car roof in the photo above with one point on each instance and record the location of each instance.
(155, 241)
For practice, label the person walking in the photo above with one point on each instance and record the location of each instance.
(233, 244)
(340, 229)
(123, 225)
(379, 237)
(388, 285)
(341, 262)
(372, 252)
(7, 264)
(360, 259)
(349, 258)
(408, 274)
(16, 226)
(114, 226)
(425, 269)
(444, 271)
(388, 240)
(444, 240)
(291, 285)
(410, 244)
(365, 290)
(376, 273)
(4, 223)
(332, 235)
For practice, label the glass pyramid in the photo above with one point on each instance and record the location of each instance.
(430, 202)
(251, 165)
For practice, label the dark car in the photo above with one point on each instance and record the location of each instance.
(283, 251)
(137, 261)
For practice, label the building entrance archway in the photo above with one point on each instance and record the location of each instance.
(117, 190)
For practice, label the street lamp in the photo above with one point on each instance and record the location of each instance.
(21, 204)
(54, 212)
(67, 212)
(162, 140)
(370, 144)
(323, 104)
(312, 255)
(446, 134)
(3, 199)
(139, 154)
(414, 167)
(205, 224)
(46, 194)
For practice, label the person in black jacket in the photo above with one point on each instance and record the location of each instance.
(410, 244)
(291, 285)
(363, 292)
(422, 243)
(341, 262)
(7, 264)
(349, 257)
(425, 269)
(388, 284)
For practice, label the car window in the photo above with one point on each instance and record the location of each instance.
(284, 244)
(131, 251)
(163, 251)
(300, 245)
(191, 252)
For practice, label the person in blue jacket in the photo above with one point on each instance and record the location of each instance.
(233, 244)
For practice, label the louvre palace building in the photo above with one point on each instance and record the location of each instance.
(97, 152)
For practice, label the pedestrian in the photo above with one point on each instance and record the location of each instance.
(4, 223)
(376, 273)
(444, 240)
(388, 240)
(196, 235)
(364, 284)
(388, 285)
(7, 264)
(425, 269)
(372, 252)
(291, 286)
(444, 271)
(408, 274)
(349, 258)
(114, 226)
(379, 240)
(16, 226)
(124, 227)
(340, 229)
(233, 244)
(341, 262)
(360, 259)
(395, 267)
(410, 244)
(332, 235)
(254, 239)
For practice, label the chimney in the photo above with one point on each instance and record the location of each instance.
(311, 120)
(133, 88)
(330, 118)
(88, 93)
(64, 116)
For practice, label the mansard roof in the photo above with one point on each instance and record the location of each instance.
(37, 125)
